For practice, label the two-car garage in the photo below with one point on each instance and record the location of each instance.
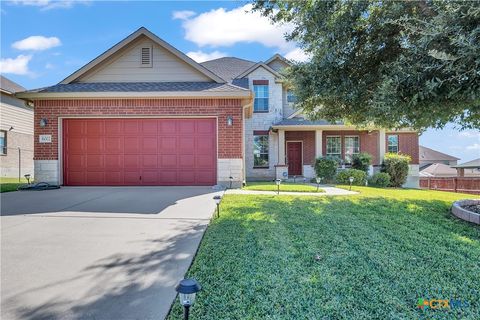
(139, 151)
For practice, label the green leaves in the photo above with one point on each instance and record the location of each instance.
(392, 63)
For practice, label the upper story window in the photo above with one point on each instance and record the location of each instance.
(352, 146)
(3, 142)
(334, 147)
(291, 98)
(392, 143)
(260, 89)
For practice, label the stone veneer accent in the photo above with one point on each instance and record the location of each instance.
(464, 214)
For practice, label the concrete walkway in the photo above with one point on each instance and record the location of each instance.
(96, 252)
(329, 191)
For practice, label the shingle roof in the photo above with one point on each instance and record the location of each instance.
(302, 122)
(139, 87)
(470, 164)
(228, 68)
(10, 86)
(427, 154)
(438, 170)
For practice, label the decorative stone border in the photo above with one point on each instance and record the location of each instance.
(464, 214)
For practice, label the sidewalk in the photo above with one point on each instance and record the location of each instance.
(329, 191)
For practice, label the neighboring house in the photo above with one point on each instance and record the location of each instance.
(436, 170)
(429, 156)
(143, 113)
(16, 132)
(469, 169)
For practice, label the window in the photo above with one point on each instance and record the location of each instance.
(260, 88)
(3, 142)
(334, 147)
(352, 146)
(291, 98)
(146, 57)
(260, 151)
(392, 145)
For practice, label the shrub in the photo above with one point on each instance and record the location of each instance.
(396, 165)
(380, 179)
(326, 168)
(359, 177)
(361, 161)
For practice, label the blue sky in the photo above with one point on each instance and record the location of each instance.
(68, 34)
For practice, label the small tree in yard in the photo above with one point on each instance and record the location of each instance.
(326, 168)
(361, 161)
(396, 165)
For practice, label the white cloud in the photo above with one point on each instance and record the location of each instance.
(37, 43)
(18, 65)
(183, 15)
(469, 134)
(475, 146)
(48, 65)
(220, 27)
(201, 56)
(297, 54)
(50, 4)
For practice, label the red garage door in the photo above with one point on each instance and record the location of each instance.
(127, 152)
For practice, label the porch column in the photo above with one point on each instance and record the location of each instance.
(381, 145)
(281, 147)
(318, 143)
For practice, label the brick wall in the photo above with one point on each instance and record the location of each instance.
(308, 139)
(368, 142)
(229, 137)
(407, 144)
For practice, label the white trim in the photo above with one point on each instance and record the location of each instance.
(301, 153)
(133, 95)
(120, 45)
(277, 56)
(344, 145)
(255, 67)
(333, 127)
(326, 145)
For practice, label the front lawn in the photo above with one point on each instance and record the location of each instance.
(366, 256)
(284, 186)
(10, 184)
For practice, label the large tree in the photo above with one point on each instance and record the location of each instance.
(385, 63)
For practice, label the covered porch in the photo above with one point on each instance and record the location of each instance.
(300, 144)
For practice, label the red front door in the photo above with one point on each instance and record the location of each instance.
(294, 158)
(116, 152)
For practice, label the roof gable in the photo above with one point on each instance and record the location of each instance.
(169, 64)
(278, 62)
(255, 67)
(427, 154)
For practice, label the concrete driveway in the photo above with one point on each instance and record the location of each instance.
(97, 252)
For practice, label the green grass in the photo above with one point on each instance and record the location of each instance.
(284, 186)
(10, 184)
(379, 252)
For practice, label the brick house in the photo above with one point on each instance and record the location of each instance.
(143, 113)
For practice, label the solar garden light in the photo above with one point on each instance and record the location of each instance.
(278, 181)
(351, 181)
(304, 180)
(231, 181)
(294, 177)
(318, 182)
(187, 288)
(217, 200)
(27, 176)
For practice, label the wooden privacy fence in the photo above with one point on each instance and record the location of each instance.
(452, 184)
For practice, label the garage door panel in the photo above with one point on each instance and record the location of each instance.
(95, 128)
(149, 145)
(95, 161)
(139, 151)
(114, 145)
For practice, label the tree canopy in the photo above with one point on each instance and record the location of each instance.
(385, 63)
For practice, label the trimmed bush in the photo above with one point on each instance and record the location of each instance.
(361, 161)
(396, 165)
(380, 179)
(359, 177)
(326, 168)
